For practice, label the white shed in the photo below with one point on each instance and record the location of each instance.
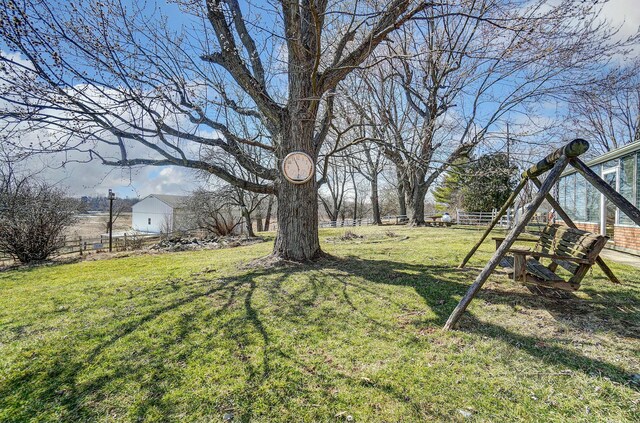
(159, 213)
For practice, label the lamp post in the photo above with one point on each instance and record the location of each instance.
(112, 196)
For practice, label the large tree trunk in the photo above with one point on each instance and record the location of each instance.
(402, 204)
(297, 237)
(415, 210)
(415, 193)
(355, 206)
(259, 227)
(375, 203)
(267, 218)
(248, 222)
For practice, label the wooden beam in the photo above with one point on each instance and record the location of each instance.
(567, 220)
(491, 265)
(622, 203)
(573, 149)
(495, 221)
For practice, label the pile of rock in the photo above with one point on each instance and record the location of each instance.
(209, 243)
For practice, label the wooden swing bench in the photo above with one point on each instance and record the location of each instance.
(572, 249)
(568, 247)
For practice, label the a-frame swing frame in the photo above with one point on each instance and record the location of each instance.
(554, 163)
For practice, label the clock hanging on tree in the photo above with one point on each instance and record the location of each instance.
(298, 167)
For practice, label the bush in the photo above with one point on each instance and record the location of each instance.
(33, 216)
(213, 211)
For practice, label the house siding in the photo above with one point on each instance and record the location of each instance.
(159, 213)
(590, 227)
(627, 238)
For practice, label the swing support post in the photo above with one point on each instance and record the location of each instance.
(555, 163)
(530, 209)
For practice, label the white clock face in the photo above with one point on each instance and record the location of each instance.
(297, 167)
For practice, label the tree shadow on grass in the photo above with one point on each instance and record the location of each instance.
(48, 383)
(242, 318)
(442, 286)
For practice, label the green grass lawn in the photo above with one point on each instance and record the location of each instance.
(196, 336)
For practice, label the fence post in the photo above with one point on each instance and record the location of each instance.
(80, 244)
(125, 241)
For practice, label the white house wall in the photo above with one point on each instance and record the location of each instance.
(151, 210)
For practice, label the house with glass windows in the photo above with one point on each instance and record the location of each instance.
(592, 211)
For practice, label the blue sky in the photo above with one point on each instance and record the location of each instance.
(94, 178)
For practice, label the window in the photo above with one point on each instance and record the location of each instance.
(580, 210)
(570, 196)
(627, 186)
(149, 221)
(593, 199)
(610, 164)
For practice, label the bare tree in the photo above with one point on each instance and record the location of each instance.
(118, 82)
(449, 81)
(267, 218)
(33, 217)
(335, 177)
(608, 112)
(119, 207)
(373, 167)
(249, 203)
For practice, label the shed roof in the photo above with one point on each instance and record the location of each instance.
(173, 201)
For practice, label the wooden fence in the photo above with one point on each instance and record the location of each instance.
(391, 219)
(79, 245)
(506, 221)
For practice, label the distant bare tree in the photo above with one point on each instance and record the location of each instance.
(267, 217)
(119, 206)
(607, 113)
(332, 197)
(440, 87)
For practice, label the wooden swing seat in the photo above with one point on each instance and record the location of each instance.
(572, 249)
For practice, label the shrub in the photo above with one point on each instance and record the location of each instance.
(33, 216)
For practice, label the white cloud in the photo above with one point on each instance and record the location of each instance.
(624, 14)
(81, 177)
(93, 178)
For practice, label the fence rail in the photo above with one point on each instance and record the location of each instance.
(390, 219)
(343, 223)
(506, 221)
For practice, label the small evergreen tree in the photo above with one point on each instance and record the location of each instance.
(487, 182)
(448, 192)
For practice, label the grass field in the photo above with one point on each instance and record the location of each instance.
(203, 336)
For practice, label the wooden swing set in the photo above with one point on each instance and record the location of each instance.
(565, 246)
